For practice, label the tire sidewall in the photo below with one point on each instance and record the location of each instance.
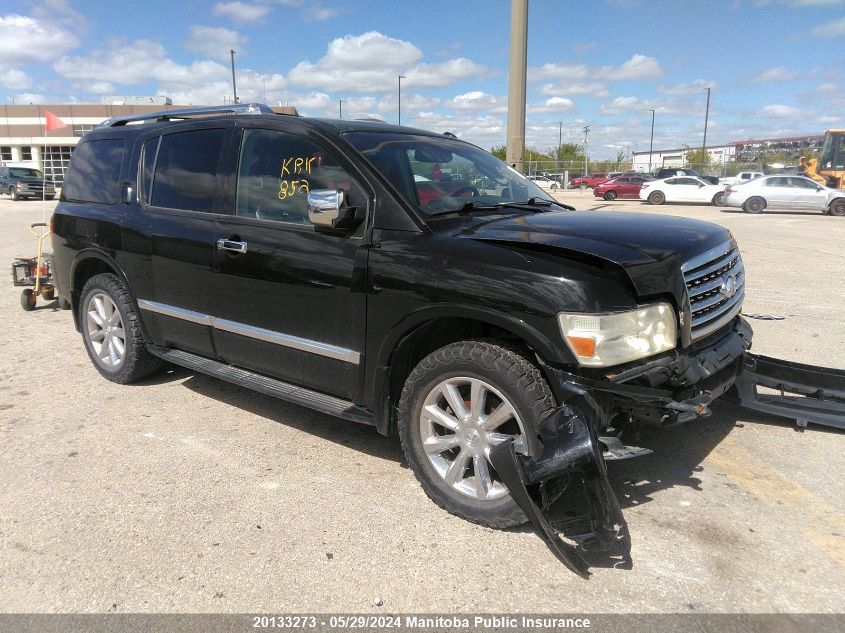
(610, 195)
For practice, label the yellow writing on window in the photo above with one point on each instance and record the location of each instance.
(294, 166)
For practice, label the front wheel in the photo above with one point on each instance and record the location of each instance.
(28, 299)
(657, 197)
(13, 194)
(837, 207)
(719, 199)
(111, 330)
(582, 186)
(610, 195)
(459, 402)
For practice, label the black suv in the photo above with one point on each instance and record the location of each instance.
(342, 265)
(671, 172)
(26, 182)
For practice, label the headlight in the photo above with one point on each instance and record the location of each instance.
(602, 340)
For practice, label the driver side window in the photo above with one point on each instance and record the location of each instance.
(277, 170)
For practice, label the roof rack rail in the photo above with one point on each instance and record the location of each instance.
(186, 113)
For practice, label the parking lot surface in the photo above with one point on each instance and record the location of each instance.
(187, 494)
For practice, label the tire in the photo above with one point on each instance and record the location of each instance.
(28, 299)
(657, 197)
(102, 297)
(610, 195)
(13, 194)
(837, 207)
(553, 187)
(754, 205)
(719, 199)
(582, 186)
(467, 366)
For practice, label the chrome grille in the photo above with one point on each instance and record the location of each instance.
(716, 287)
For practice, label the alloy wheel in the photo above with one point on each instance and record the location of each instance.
(462, 418)
(104, 329)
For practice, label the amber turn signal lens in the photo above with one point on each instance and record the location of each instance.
(582, 346)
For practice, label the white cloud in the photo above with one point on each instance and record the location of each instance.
(14, 79)
(552, 104)
(638, 67)
(834, 28)
(214, 41)
(27, 40)
(780, 111)
(240, 11)
(694, 87)
(483, 130)
(372, 62)
(625, 104)
(30, 97)
(827, 88)
(573, 88)
(476, 100)
(409, 102)
(439, 75)
(144, 61)
(778, 73)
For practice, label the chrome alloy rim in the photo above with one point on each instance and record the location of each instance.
(462, 418)
(104, 328)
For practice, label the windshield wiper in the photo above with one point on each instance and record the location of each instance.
(468, 207)
(532, 203)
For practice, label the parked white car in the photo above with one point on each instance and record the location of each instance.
(681, 189)
(544, 182)
(741, 177)
(785, 192)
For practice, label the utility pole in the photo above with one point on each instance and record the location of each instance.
(340, 108)
(651, 142)
(586, 145)
(234, 87)
(401, 77)
(559, 137)
(706, 116)
(515, 147)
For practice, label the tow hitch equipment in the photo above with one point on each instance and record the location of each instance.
(564, 490)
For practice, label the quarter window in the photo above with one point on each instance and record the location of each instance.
(95, 171)
(276, 172)
(185, 175)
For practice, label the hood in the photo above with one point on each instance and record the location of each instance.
(649, 248)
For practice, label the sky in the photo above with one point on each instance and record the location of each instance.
(775, 67)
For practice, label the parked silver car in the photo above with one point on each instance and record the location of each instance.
(784, 192)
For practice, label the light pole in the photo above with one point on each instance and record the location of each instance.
(651, 142)
(586, 145)
(340, 108)
(559, 138)
(706, 116)
(401, 77)
(234, 87)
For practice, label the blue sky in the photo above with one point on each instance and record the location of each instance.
(775, 67)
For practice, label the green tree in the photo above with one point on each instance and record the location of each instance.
(698, 159)
(532, 154)
(499, 151)
(568, 152)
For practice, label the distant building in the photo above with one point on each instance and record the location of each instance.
(24, 141)
(748, 151)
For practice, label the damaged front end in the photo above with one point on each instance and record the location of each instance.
(565, 493)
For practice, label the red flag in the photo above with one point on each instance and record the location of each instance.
(53, 122)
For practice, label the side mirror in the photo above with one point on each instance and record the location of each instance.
(326, 210)
(819, 188)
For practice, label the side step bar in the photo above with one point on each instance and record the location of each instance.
(270, 386)
(805, 393)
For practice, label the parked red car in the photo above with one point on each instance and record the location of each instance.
(621, 187)
(582, 182)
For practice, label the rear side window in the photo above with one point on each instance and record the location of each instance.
(186, 170)
(95, 171)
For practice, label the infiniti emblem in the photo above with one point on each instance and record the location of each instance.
(728, 287)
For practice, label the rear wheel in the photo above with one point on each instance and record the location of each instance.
(657, 197)
(754, 205)
(610, 195)
(111, 330)
(837, 207)
(458, 403)
(582, 186)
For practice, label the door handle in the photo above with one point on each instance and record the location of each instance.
(229, 245)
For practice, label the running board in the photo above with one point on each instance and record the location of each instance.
(805, 393)
(270, 386)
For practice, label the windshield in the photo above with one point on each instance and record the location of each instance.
(22, 172)
(440, 175)
(833, 152)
